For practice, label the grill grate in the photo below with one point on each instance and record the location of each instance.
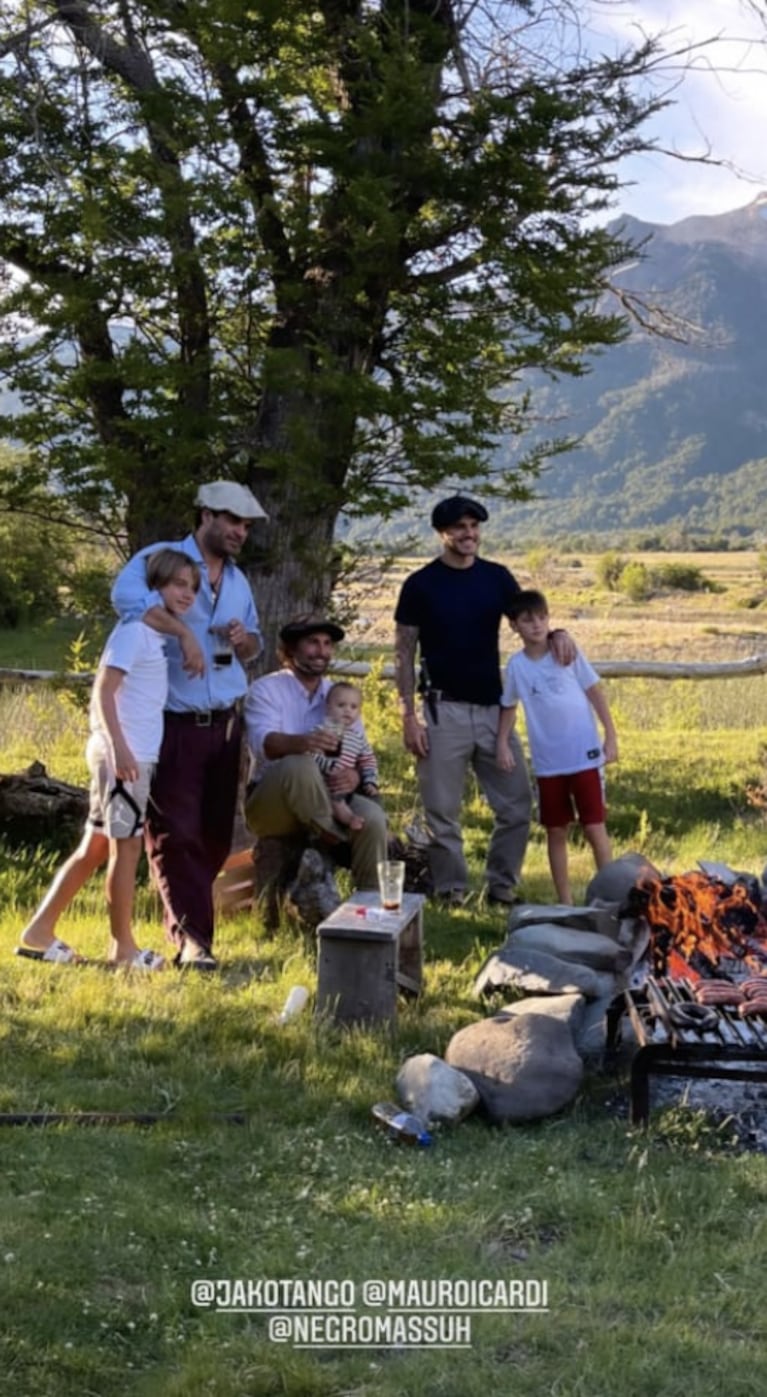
(731, 1048)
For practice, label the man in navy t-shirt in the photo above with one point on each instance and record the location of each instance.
(451, 611)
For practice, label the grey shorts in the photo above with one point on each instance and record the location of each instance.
(118, 808)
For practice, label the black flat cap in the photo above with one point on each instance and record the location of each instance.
(310, 625)
(448, 512)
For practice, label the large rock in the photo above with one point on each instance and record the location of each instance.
(535, 972)
(434, 1091)
(590, 1032)
(523, 1066)
(565, 1008)
(602, 919)
(614, 882)
(578, 947)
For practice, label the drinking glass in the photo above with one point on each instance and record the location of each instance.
(391, 883)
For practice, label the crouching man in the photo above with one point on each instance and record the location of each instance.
(284, 713)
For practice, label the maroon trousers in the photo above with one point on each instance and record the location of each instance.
(190, 819)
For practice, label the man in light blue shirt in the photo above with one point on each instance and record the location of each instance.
(194, 790)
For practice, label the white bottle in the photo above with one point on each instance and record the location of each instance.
(295, 1002)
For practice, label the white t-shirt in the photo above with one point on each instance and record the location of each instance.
(561, 727)
(137, 650)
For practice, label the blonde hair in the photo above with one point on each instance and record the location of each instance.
(163, 566)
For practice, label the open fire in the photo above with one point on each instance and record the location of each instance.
(702, 926)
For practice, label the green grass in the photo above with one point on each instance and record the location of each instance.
(651, 1243)
(48, 646)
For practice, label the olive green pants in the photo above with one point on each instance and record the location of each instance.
(291, 796)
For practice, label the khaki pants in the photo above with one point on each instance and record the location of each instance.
(463, 739)
(291, 797)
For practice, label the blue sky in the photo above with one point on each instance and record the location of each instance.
(721, 104)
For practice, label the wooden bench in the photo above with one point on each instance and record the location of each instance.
(365, 956)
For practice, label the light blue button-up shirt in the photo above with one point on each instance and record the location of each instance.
(216, 688)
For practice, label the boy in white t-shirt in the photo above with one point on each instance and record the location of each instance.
(567, 756)
(126, 721)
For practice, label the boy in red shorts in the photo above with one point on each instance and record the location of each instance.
(559, 702)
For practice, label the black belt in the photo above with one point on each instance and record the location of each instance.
(442, 696)
(202, 718)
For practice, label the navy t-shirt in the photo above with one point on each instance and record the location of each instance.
(458, 612)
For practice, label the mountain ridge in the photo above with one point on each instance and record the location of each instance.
(673, 434)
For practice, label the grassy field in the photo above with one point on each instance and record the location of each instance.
(651, 1243)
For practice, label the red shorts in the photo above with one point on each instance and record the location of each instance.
(560, 798)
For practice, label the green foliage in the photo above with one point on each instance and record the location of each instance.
(609, 570)
(683, 577)
(635, 581)
(336, 257)
(540, 562)
(36, 558)
(89, 591)
(44, 573)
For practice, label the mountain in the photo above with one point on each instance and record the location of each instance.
(673, 429)
(674, 432)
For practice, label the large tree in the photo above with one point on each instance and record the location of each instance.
(309, 245)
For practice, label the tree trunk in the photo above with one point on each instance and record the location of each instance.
(291, 562)
(293, 573)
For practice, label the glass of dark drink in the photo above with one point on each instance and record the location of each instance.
(223, 650)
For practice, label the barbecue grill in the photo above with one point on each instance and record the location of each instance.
(676, 1040)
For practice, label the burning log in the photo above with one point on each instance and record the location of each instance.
(698, 922)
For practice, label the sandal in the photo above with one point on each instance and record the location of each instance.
(58, 953)
(146, 960)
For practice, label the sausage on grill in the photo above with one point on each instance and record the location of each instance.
(753, 1008)
(718, 992)
(755, 987)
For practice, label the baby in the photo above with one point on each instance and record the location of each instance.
(343, 703)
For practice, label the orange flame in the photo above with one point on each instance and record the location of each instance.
(695, 921)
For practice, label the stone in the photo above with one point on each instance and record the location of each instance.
(580, 947)
(600, 919)
(434, 1091)
(539, 973)
(524, 1066)
(590, 1033)
(568, 1009)
(313, 895)
(617, 879)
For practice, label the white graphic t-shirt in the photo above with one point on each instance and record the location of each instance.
(561, 726)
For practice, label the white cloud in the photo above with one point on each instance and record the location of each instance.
(719, 106)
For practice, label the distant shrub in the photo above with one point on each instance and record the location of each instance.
(610, 568)
(540, 561)
(635, 581)
(684, 578)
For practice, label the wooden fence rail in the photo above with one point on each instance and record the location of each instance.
(608, 669)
